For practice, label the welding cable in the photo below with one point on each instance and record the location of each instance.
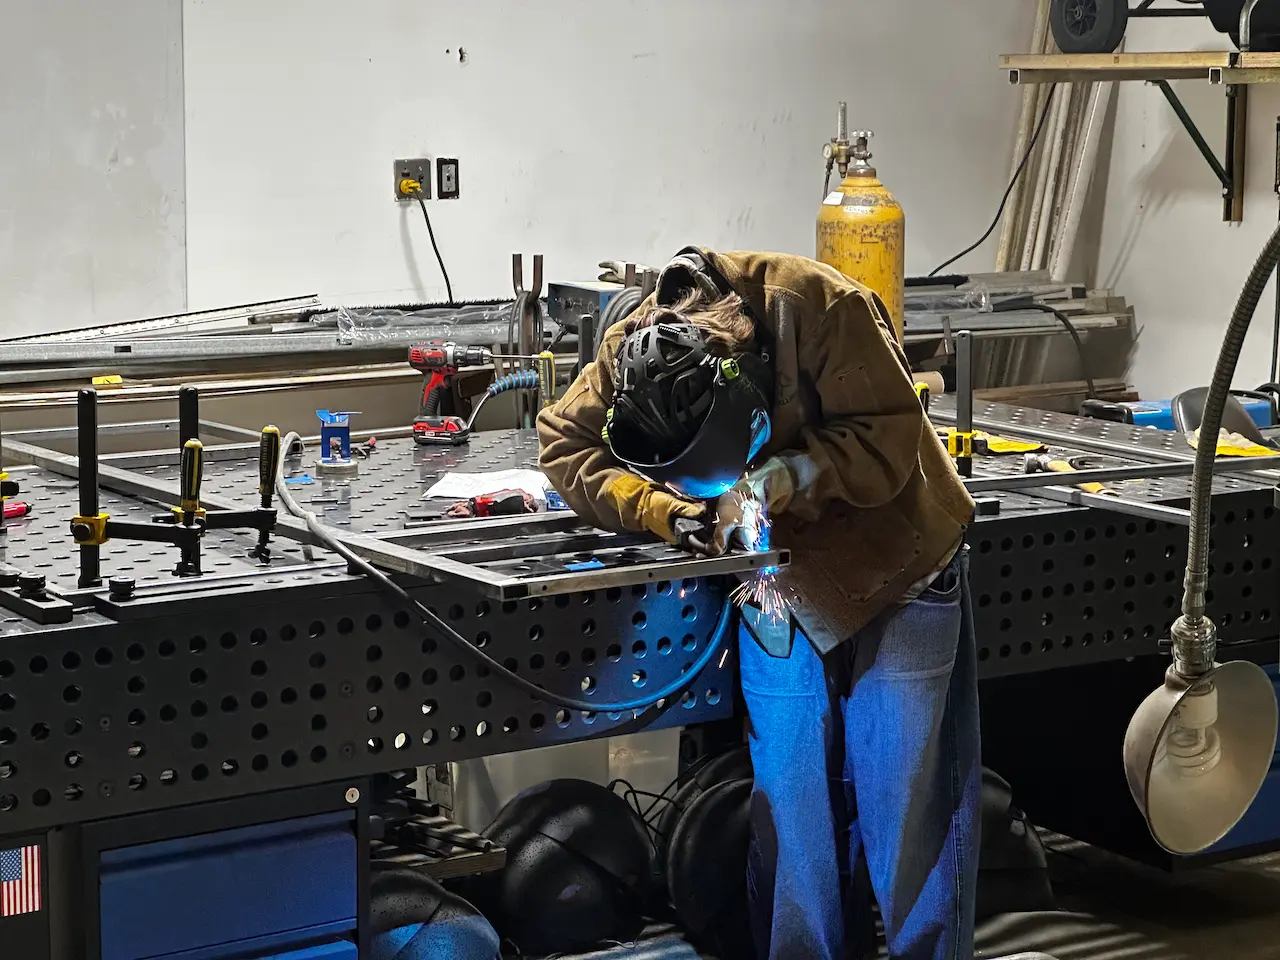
(621, 306)
(522, 303)
(1013, 182)
(331, 540)
(1027, 303)
(525, 302)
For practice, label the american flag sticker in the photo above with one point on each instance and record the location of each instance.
(20, 881)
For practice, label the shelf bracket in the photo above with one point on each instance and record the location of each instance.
(1230, 175)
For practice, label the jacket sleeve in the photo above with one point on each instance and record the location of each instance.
(867, 443)
(577, 460)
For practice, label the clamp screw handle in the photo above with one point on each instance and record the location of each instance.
(192, 467)
(268, 462)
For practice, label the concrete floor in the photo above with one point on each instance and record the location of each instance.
(1117, 910)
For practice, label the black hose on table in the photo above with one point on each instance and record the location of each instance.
(331, 540)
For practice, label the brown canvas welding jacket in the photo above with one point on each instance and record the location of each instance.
(879, 506)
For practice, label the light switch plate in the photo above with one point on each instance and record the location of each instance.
(447, 178)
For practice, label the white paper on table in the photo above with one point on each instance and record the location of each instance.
(464, 486)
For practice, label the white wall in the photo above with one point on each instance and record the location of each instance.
(1164, 245)
(584, 129)
(91, 169)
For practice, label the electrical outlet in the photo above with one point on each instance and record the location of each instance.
(419, 170)
(447, 178)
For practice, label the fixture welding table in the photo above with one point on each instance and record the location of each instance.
(252, 680)
(1071, 605)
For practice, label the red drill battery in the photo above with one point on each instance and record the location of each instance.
(441, 431)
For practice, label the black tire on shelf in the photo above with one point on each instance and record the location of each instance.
(1088, 26)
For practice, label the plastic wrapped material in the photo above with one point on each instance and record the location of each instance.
(485, 323)
(948, 300)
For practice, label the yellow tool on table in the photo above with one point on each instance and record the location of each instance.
(1236, 445)
(985, 444)
(1042, 463)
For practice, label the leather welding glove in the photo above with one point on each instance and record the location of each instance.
(615, 271)
(772, 483)
(641, 503)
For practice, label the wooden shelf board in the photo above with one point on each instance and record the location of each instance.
(1219, 67)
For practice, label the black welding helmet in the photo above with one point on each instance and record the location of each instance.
(578, 869)
(684, 417)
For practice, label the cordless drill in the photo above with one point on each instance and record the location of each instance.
(439, 361)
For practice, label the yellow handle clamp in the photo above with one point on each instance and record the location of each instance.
(191, 468)
(547, 377)
(923, 394)
(960, 444)
(89, 531)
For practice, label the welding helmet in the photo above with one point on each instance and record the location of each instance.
(682, 416)
(414, 918)
(578, 869)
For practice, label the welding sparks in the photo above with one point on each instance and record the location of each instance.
(761, 590)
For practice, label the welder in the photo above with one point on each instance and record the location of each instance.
(770, 378)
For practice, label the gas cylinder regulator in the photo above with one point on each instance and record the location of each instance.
(861, 227)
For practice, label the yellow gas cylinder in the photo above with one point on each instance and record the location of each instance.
(861, 227)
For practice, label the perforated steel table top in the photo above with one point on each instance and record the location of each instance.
(389, 485)
(253, 679)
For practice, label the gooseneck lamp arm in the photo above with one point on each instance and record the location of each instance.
(1193, 635)
(1200, 746)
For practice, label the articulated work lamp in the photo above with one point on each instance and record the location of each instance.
(1197, 750)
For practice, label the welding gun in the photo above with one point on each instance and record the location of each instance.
(439, 361)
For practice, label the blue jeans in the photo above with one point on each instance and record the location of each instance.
(873, 750)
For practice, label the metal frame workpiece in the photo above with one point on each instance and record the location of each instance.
(509, 558)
